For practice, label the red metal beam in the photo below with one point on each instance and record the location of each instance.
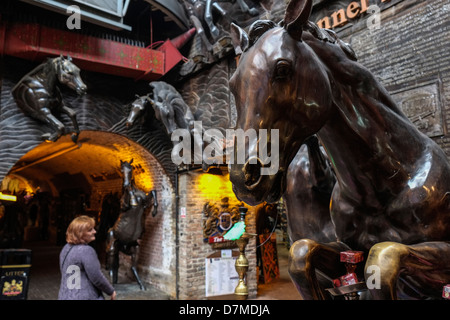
(33, 42)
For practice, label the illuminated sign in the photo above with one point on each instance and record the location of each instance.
(7, 197)
(340, 17)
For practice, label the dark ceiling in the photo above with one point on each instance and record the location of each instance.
(148, 23)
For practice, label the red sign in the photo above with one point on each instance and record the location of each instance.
(446, 292)
(352, 256)
(216, 239)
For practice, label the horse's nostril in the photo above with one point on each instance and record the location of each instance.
(252, 172)
(82, 90)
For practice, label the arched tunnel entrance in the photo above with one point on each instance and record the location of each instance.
(55, 182)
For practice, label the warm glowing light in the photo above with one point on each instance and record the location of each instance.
(209, 183)
(7, 197)
(16, 183)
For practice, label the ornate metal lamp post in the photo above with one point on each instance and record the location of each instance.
(238, 234)
(241, 290)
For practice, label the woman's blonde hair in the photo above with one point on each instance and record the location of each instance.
(77, 228)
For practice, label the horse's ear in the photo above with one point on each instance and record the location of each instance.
(148, 98)
(296, 16)
(69, 58)
(239, 38)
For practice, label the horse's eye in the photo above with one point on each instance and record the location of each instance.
(283, 69)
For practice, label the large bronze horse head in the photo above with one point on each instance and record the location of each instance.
(393, 182)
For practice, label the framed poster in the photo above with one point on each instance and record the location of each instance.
(221, 276)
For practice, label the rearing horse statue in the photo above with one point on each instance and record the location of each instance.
(391, 199)
(38, 95)
(168, 107)
(129, 227)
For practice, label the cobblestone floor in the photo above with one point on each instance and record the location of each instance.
(45, 279)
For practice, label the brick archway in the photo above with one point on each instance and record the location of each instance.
(90, 170)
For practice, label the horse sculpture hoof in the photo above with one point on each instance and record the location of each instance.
(74, 137)
(47, 137)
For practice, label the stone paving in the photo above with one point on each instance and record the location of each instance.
(45, 279)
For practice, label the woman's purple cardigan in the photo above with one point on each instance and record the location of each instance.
(81, 275)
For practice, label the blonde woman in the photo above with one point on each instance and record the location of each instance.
(81, 275)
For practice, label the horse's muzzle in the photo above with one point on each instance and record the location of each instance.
(251, 186)
(81, 90)
(252, 173)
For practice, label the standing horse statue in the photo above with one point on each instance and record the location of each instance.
(129, 227)
(391, 199)
(38, 95)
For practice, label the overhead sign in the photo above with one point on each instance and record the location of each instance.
(343, 15)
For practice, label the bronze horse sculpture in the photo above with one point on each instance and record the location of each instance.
(168, 106)
(37, 94)
(391, 199)
(129, 226)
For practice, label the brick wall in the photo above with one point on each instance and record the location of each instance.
(197, 188)
(410, 49)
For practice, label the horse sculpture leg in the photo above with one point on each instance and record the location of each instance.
(112, 256)
(73, 117)
(54, 123)
(308, 256)
(424, 265)
(134, 254)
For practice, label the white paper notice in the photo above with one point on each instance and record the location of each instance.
(221, 276)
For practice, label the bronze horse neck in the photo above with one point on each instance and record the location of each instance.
(380, 159)
(362, 161)
(44, 74)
